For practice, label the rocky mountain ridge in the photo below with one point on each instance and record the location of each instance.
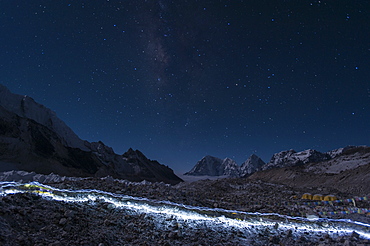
(27, 107)
(291, 158)
(33, 138)
(208, 165)
(349, 171)
(213, 166)
(251, 165)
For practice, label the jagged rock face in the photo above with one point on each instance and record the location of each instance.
(291, 158)
(230, 168)
(31, 146)
(32, 138)
(26, 107)
(213, 166)
(208, 165)
(312, 156)
(149, 170)
(348, 172)
(336, 152)
(251, 165)
(350, 157)
(279, 159)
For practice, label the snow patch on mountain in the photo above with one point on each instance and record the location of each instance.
(229, 168)
(289, 158)
(336, 152)
(343, 161)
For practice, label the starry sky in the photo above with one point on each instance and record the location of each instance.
(179, 80)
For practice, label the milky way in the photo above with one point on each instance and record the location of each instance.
(179, 80)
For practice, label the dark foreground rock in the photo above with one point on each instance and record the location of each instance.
(28, 219)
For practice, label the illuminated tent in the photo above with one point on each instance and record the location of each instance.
(307, 196)
(330, 198)
(318, 197)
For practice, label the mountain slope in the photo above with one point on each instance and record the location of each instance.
(251, 165)
(213, 166)
(347, 172)
(291, 158)
(26, 107)
(208, 165)
(229, 168)
(31, 146)
(32, 138)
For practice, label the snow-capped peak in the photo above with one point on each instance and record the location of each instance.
(213, 166)
(290, 158)
(229, 167)
(251, 165)
(336, 152)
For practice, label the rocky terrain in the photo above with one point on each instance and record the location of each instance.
(27, 219)
(258, 204)
(349, 171)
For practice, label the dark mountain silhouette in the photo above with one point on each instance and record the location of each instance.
(32, 138)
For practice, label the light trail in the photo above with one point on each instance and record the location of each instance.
(193, 216)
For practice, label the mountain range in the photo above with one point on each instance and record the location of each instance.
(213, 166)
(33, 138)
(348, 170)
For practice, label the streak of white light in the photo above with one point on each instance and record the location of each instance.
(186, 213)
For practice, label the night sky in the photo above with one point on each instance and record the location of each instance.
(179, 80)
